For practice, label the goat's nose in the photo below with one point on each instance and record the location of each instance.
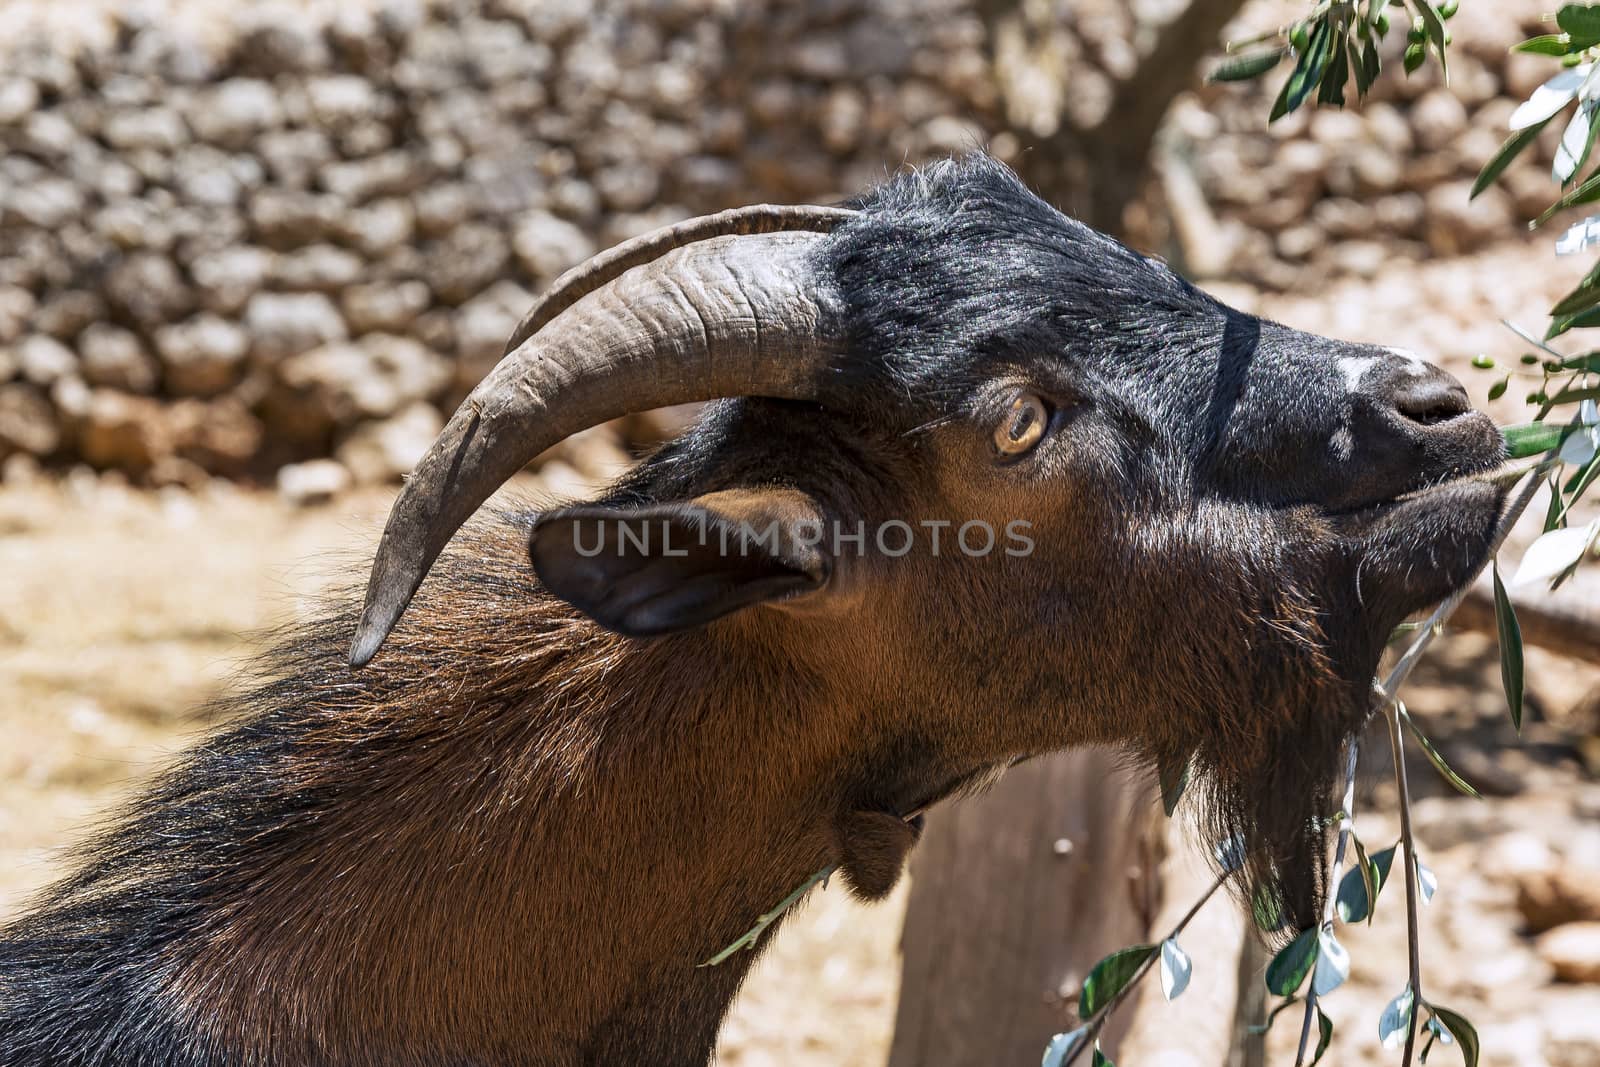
(1430, 397)
(1412, 425)
(1410, 395)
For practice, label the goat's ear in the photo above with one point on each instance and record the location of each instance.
(660, 569)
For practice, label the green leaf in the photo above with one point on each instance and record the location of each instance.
(1433, 22)
(1288, 969)
(1335, 74)
(1554, 514)
(1370, 65)
(1100, 1058)
(1502, 159)
(1580, 299)
(1325, 1028)
(1505, 621)
(1580, 20)
(1498, 389)
(1383, 863)
(1550, 44)
(1110, 976)
(1371, 882)
(1260, 1028)
(1586, 192)
(1245, 67)
(1461, 1030)
(1532, 438)
(1573, 322)
(1438, 761)
(1174, 778)
(1358, 888)
(1307, 73)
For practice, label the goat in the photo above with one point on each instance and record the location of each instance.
(559, 787)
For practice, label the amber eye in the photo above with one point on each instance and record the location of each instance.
(1022, 426)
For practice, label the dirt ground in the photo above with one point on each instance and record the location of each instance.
(121, 612)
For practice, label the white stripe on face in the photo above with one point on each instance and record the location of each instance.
(1415, 364)
(1353, 367)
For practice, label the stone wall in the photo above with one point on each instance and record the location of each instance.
(278, 237)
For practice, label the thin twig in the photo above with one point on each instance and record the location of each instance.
(749, 938)
(1098, 1019)
(1430, 629)
(1346, 828)
(1413, 927)
(1389, 692)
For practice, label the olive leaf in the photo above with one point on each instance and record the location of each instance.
(1462, 1030)
(1552, 554)
(1307, 73)
(1427, 882)
(1174, 779)
(1433, 22)
(1358, 889)
(1063, 1045)
(1333, 964)
(1438, 761)
(1532, 438)
(1110, 976)
(1288, 970)
(1582, 21)
(1549, 44)
(1395, 1022)
(1325, 1036)
(1510, 634)
(1176, 967)
(1507, 152)
(1246, 67)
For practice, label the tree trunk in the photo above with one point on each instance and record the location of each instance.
(1094, 167)
(1015, 894)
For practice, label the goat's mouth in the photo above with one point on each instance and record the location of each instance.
(1418, 548)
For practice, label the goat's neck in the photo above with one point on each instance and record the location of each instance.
(526, 868)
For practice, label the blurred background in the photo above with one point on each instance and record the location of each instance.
(251, 254)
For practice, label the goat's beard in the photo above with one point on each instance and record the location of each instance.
(1265, 771)
(1274, 813)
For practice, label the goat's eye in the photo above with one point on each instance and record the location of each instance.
(1022, 426)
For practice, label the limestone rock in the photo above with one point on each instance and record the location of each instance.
(116, 358)
(1553, 896)
(27, 421)
(1573, 951)
(547, 245)
(283, 324)
(380, 452)
(202, 356)
(316, 481)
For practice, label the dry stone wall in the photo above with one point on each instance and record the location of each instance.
(273, 236)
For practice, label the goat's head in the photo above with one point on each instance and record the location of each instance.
(1194, 528)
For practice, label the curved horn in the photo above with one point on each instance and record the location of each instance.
(590, 275)
(724, 316)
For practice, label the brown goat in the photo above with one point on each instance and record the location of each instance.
(558, 788)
